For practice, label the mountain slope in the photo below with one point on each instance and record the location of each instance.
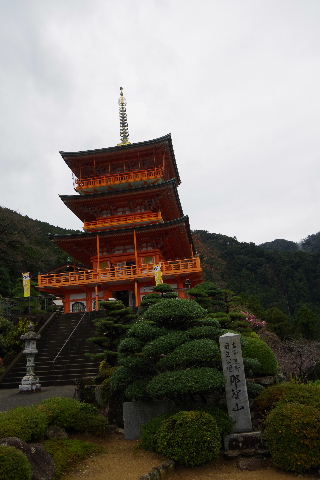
(267, 278)
(25, 247)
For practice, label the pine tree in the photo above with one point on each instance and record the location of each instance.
(112, 328)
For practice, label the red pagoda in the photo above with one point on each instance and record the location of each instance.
(133, 224)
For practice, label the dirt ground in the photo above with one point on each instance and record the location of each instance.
(123, 460)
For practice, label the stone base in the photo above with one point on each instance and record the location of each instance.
(30, 388)
(246, 443)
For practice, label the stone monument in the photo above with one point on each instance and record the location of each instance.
(235, 382)
(243, 440)
(30, 382)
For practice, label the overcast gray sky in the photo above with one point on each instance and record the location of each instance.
(236, 82)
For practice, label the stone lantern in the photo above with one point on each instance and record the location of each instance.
(30, 382)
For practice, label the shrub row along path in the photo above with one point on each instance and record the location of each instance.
(123, 460)
(11, 398)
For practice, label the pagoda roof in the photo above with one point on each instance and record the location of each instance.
(178, 228)
(76, 203)
(69, 157)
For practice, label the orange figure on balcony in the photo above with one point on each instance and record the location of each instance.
(133, 225)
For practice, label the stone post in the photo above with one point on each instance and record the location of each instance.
(235, 382)
(30, 382)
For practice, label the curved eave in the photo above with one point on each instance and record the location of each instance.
(116, 232)
(68, 200)
(69, 156)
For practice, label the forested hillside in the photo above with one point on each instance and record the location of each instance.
(286, 278)
(25, 247)
(279, 274)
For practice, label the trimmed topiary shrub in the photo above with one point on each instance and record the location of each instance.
(137, 390)
(195, 353)
(252, 367)
(174, 313)
(164, 344)
(191, 438)
(14, 464)
(145, 331)
(73, 415)
(67, 452)
(27, 423)
(306, 394)
(205, 331)
(254, 390)
(258, 349)
(293, 436)
(130, 345)
(182, 382)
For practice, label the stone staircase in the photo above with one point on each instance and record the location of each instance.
(61, 359)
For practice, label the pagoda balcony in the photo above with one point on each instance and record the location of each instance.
(118, 220)
(119, 274)
(118, 178)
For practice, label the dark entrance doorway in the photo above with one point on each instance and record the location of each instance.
(122, 295)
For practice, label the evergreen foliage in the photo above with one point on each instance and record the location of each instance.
(112, 328)
(27, 423)
(191, 438)
(269, 398)
(293, 436)
(26, 247)
(264, 278)
(14, 464)
(257, 349)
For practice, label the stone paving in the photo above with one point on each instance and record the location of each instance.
(11, 398)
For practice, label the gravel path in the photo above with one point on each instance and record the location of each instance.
(11, 398)
(123, 460)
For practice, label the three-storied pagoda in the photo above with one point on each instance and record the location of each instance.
(133, 224)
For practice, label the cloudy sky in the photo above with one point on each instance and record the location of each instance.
(236, 82)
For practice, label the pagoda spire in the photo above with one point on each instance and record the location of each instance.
(124, 129)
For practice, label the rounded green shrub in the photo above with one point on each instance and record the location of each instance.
(258, 349)
(145, 331)
(73, 415)
(172, 384)
(175, 313)
(191, 438)
(254, 389)
(306, 394)
(121, 378)
(27, 423)
(14, 464)
(148, 434)
(293, 436)
(252, 366)
(164, 344)
(195, 353)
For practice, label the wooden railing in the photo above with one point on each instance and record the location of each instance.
(117, 220)
(115, 274)
(117, 178)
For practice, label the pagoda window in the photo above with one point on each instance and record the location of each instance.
(123, 249)
(147, 246)
(148, 260)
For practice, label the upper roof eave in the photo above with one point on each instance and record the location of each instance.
(67, 156)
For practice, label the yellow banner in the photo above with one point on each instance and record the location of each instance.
(158, 274)
(26, 284)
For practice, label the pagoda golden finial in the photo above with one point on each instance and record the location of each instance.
(124, 129)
